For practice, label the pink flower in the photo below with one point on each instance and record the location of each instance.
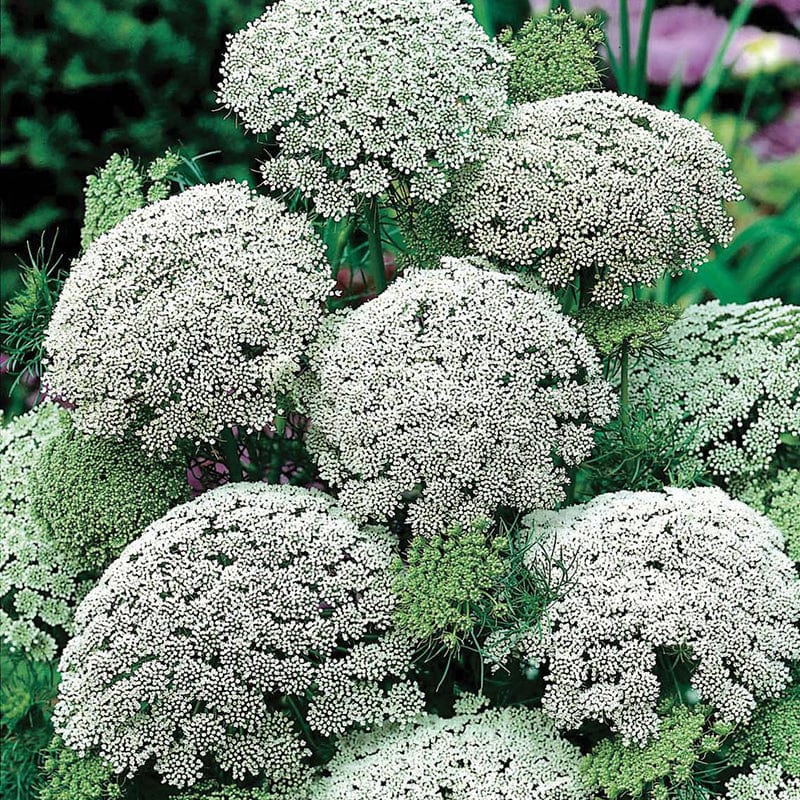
(781, 138)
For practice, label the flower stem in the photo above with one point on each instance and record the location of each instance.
(623, 391)
(230, 450)
(377, 267)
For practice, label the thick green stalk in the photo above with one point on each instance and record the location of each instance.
(230, 450)
(377, 267)
(625, 46)
(640, 78)
(623, 388)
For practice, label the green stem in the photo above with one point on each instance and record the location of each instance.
(230, 451)
(641, 51)
(624, 45)
(623, 391)
(375, 245)
(586, 282)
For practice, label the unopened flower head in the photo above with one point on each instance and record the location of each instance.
(39, 588)
(731, 374)
(189, 316)
(490, 754)
(362, 92)
(599, 184)
(687, 570)
(190, 645)
(456, 391)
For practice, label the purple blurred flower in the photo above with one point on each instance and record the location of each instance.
(781, 138)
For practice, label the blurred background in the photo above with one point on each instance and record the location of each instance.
(86, 78)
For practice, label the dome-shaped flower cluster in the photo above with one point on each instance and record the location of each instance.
(689, 571)
(490, 754)
(363, 93)
(456, 391)
(596, 183)
(208, 636)
(189, 316)
(92, 495)
(732, 374)
(38, 588)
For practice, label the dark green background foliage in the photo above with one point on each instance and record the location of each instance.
(86, 78)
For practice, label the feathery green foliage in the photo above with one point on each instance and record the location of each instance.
(682, 757)
(640, 451)
(773, 734)
(65, 775)
(428, 235)
(27, 314)
(92, 496)
(554, 54)
(27, 694)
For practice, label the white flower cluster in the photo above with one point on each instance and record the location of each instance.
(38, 590)
(361, 92)
(598, 182)
(493, 754)
(687, 570)
(457, 390)
(190, 315)
(732, 372)
(765, 781)
(250, 597)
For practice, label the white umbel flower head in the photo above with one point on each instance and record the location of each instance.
(456, 391)
(731, 373)
(687, 570)
(39, 589)
(596, 182)
(493, 754)
(189, 316)
(361, 92)
(765, 781)
(195, 637)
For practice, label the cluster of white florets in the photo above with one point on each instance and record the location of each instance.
(730, 373)
(364, 92)
(456, 391)
(765, 781)
(189, 316)
(685, 570)
(39, 588)
(598, 182)
(221, 610)
(492, 754)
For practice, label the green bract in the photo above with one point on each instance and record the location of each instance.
(446, 589)
(92, 496)
(553, 55)
(119, 188)
(773, 734)
(636, 326)
(66, 775)
(670, 761)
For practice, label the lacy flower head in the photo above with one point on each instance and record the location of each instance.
(765, 781)
(730, 373)
(597, 184)
(362, 92)
(38, 588)
(685, 575)
(233, 623)
(187, 317)
(490, 754)
(456, 391)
